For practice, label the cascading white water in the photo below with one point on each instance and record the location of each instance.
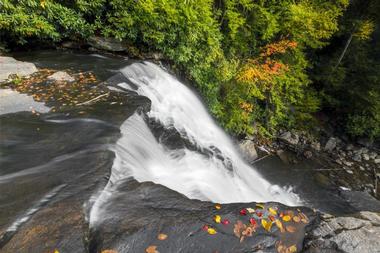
(221, 176)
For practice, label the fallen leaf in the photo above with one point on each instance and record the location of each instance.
(162, 237)
(205, 228)
(296, 219)
(211, 231)
(151, 249)
(286, 218)
(261, 206)
(106, 251)
(290, 229)
(225, 222)
(248, 231)
(252, 221)
(304, 218)
(272, 211)
(259, 214)
(243, 211)
(292, 249)
(218, 206)
(280, 226)
(271, 218)
(267, 225)
(238, 227)
(250, 210)
(217, 218)
(56, 251)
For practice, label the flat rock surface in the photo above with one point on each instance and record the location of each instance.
(10, 66)
(12, 101)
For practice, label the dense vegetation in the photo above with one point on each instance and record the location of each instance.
(260, 65)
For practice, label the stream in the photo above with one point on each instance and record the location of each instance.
(121, 173)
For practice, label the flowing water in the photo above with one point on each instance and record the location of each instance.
(208, 168)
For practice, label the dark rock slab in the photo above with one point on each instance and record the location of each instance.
(138, 212)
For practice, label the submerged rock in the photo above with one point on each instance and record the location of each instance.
(10, 66)
(61, 76)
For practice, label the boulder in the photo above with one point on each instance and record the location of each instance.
(289, 138)
(316, 146)
(10, 66)
(61, 76)
(330, 144)
(247, 148)
(359, 233)
(365, 157)
(107, 44)
(357, 158)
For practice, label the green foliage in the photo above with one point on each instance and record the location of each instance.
(215, 43)
(351, 87)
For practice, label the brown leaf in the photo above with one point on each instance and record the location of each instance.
(238, 227)
(290, 229)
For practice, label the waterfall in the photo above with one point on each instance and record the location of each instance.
(212, 170)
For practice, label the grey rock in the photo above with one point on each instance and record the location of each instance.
(61, 76)
(350, 147)
(377, 160)
(357, 158)
(289, 138)
(365, 157)
(316, 145)
(359, 234)
(247, 148)
(347, 163)
(108, 44)
(372, 155)
(10, 66)
(13, 101)
(330, 144)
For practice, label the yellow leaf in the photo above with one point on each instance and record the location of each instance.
(56, 251)
(211, 231)
(292, 249)
(286, 218)
(162, 237)
(250, 210)
(280, 226)
(260, 206)
(217, 218)
(108, 251)
(218, 206)
(267, 225)
(272, 211)
(296, 219)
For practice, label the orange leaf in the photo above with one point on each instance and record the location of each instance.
(151, 249)
(162, 237)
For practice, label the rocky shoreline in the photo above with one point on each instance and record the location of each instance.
(348, 165)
